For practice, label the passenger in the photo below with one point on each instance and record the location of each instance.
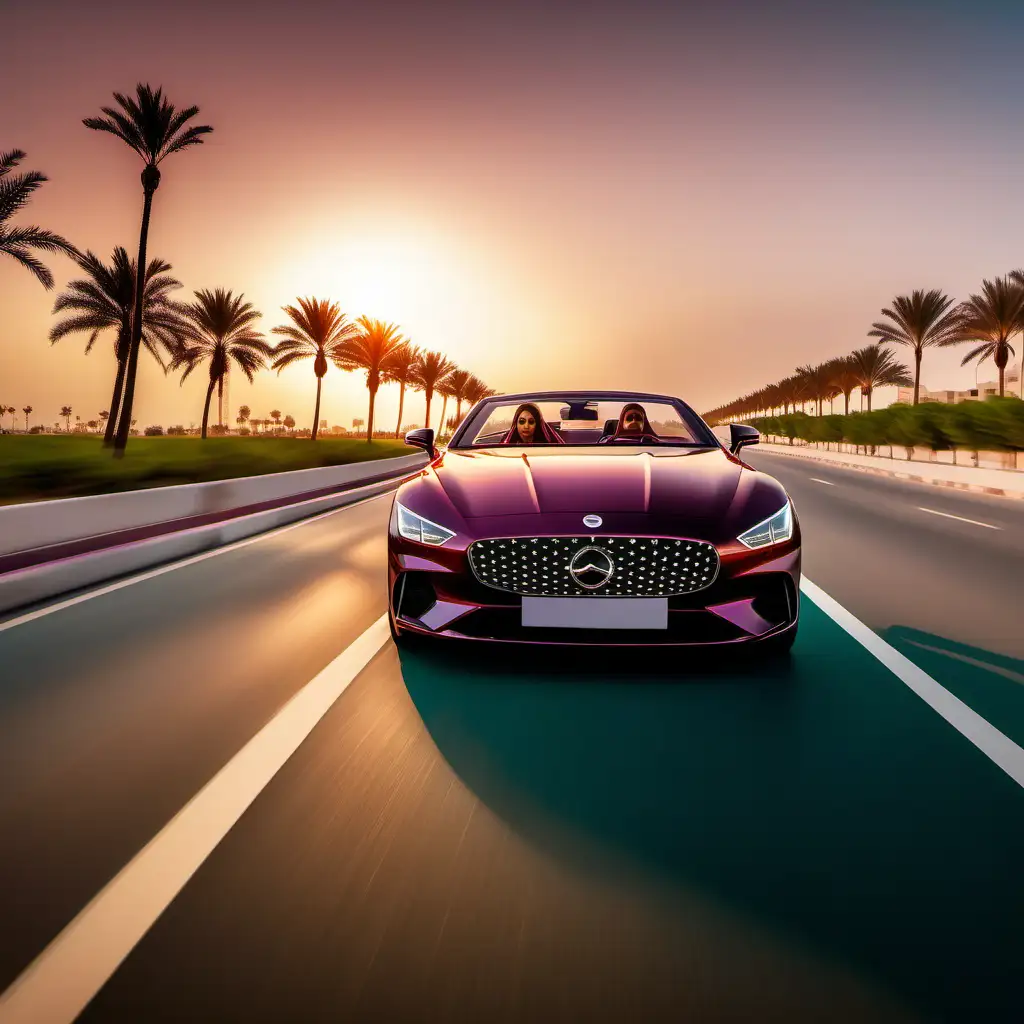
(528, 427)
(633, 423)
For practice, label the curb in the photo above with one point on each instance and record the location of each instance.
(915, 477)
(36, 583)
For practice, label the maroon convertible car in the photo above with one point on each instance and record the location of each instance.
(601, 517)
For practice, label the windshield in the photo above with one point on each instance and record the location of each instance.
(582, 421)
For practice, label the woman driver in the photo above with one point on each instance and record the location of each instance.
(528, 427)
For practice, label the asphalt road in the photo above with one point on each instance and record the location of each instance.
(513, 840)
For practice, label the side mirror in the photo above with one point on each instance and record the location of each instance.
(424, 438)
(741, 435)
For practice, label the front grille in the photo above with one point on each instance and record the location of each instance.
(640, 566)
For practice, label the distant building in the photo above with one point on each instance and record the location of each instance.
(985, 389)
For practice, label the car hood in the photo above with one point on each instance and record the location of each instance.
(697, 483)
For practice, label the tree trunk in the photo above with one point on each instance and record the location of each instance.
(869, 399)
(124, 426)
(401, 405)
(1002, 373)
(846, 395)
(316, 410)
(369, 419)
(206, 406)
(220, 402)
(430, 395)
(917, 377)
(115, 404)
(1020, 379)
(444, 412)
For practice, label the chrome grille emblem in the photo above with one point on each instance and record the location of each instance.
(591, 567)
(592, 521)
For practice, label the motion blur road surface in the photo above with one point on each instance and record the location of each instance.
(478, 835)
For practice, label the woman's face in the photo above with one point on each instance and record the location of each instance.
(526, 424)
(633, 421)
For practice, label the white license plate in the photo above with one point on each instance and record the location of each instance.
(596, 612)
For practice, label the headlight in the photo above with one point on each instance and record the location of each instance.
(414, 527)
(773, 530)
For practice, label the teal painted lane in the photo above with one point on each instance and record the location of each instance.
(990, 684)
(825, 801)
(943, 592)
(513, 836)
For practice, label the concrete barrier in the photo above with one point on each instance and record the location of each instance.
(42, 582)
(1007, 483)
(39, 524)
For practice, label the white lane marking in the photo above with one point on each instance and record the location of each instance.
(818, 480)
(948, 515)
(996, 746)
(60, 982)
(190, 560)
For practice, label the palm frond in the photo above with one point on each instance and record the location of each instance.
(26, 259)
(287, 358)
(38, 238)
(10, 160)
(982, 351)
(149, 124)
(16, 192)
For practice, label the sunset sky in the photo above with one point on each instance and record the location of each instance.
(626, 196)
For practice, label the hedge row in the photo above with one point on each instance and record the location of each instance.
(993, 425)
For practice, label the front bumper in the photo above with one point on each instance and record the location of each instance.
(755, 596)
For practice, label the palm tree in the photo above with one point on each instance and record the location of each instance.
(877, 367)
(275, 415)
(65, 411)
(19, 242)
(846, 378)
(400, 370)
(244, 412)
(105, 300)
(370, 350)
(817, 382)
(223, 334)
(93, 424)
(990, 318)
(318, 329)
(150, 126)
(919, 320)
(104, 417)
(444, 389)
(26, 411)
(477, 391)
(289, 423)
(459, 383)
(1018, 277)
(430, 369)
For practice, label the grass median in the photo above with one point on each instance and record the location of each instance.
(48, 466)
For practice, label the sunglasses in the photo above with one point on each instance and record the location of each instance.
(634, 417)
(527, 421)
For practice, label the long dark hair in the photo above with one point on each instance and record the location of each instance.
(543, 434)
